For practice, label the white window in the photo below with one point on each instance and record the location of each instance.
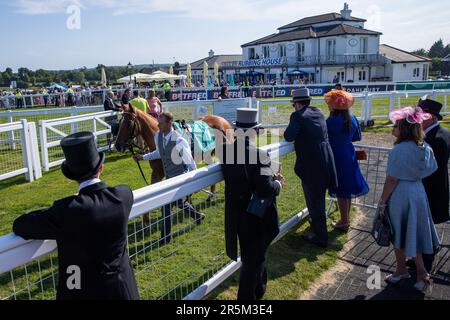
(266, 52)
(301, 51)
(416, 72)
(364, 47)
(331, 50)
(282, 50)
(424, 72)
(363, 43)
(251, 53)
(362, 75)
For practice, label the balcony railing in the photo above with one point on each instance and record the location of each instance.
(350, 59)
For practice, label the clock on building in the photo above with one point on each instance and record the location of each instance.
(353, 42)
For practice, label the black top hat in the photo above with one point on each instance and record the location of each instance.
(301, 94)
(246, 118)
(82, 158)
(430, 106)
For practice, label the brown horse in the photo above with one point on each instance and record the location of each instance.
(138, 124)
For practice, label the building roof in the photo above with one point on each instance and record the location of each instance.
(311, 32)
(198, 65)
(400, 56)
(328, 17)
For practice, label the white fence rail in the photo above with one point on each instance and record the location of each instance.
(28, 270)
(52, 132)
(19, 155)
(273, 113)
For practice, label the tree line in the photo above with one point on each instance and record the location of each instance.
(26, 78)
(437, 52)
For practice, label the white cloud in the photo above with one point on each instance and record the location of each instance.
(36, 7)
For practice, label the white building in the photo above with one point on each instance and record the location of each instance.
(211, 59)
(324, 49)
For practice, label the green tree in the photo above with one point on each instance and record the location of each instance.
(437, 50)
(421, 52)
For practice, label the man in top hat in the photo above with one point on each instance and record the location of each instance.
(436, 185)
(90, 228)
(315, 162)
(247, 170)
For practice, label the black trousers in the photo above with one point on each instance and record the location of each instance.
(252, 281)
(166, 230)
(315, 201)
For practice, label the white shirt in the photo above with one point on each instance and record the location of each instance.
(88, 183)
(182, 147)
(431, 128)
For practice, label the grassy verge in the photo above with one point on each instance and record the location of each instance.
(171, 271)
(293, 266)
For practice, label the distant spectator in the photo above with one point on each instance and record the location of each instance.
(126, 96)
(155, 106)
(223, 93)
(139, 102)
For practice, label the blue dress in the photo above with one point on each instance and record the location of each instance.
(351, 183)
(409, 211)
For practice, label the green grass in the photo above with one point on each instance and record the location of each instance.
(292, 264)
(194, 255)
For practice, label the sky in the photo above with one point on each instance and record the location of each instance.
(67, 34)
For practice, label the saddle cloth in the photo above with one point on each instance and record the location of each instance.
(198, 134)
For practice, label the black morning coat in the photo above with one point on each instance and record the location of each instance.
(436, 185)
(91, 231)
(238, 222)
(315, 161)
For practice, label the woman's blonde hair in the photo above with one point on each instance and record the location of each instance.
(410, 132)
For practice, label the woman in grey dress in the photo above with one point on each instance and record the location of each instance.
(409, 162)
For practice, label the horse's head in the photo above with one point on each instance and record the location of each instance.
(129, 129)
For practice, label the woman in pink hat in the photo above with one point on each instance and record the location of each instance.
(404, 195)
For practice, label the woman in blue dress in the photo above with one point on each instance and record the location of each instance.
(343, 130)
(409, 162)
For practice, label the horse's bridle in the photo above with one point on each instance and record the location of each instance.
(129, 143)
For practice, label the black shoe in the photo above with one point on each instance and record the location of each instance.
(199, 217)
(314, 240)
(411, 264)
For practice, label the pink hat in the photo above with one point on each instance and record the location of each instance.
(412, 115)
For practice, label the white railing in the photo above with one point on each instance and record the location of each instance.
(19, 156)
(97, 96)
(154, 262)
(275, 113)
(52, 131)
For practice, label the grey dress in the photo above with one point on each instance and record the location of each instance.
(409, 210)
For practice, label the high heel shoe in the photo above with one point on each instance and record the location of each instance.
(341, 227)
(423, 285)
(396, 279)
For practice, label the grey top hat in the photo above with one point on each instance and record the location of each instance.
(246, 118)
(301, 94)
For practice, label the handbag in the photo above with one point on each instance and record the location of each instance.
(257, 205)
(382, 229)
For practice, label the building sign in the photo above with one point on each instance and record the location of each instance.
(261, 62)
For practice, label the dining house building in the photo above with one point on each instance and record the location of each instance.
(332, 47)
